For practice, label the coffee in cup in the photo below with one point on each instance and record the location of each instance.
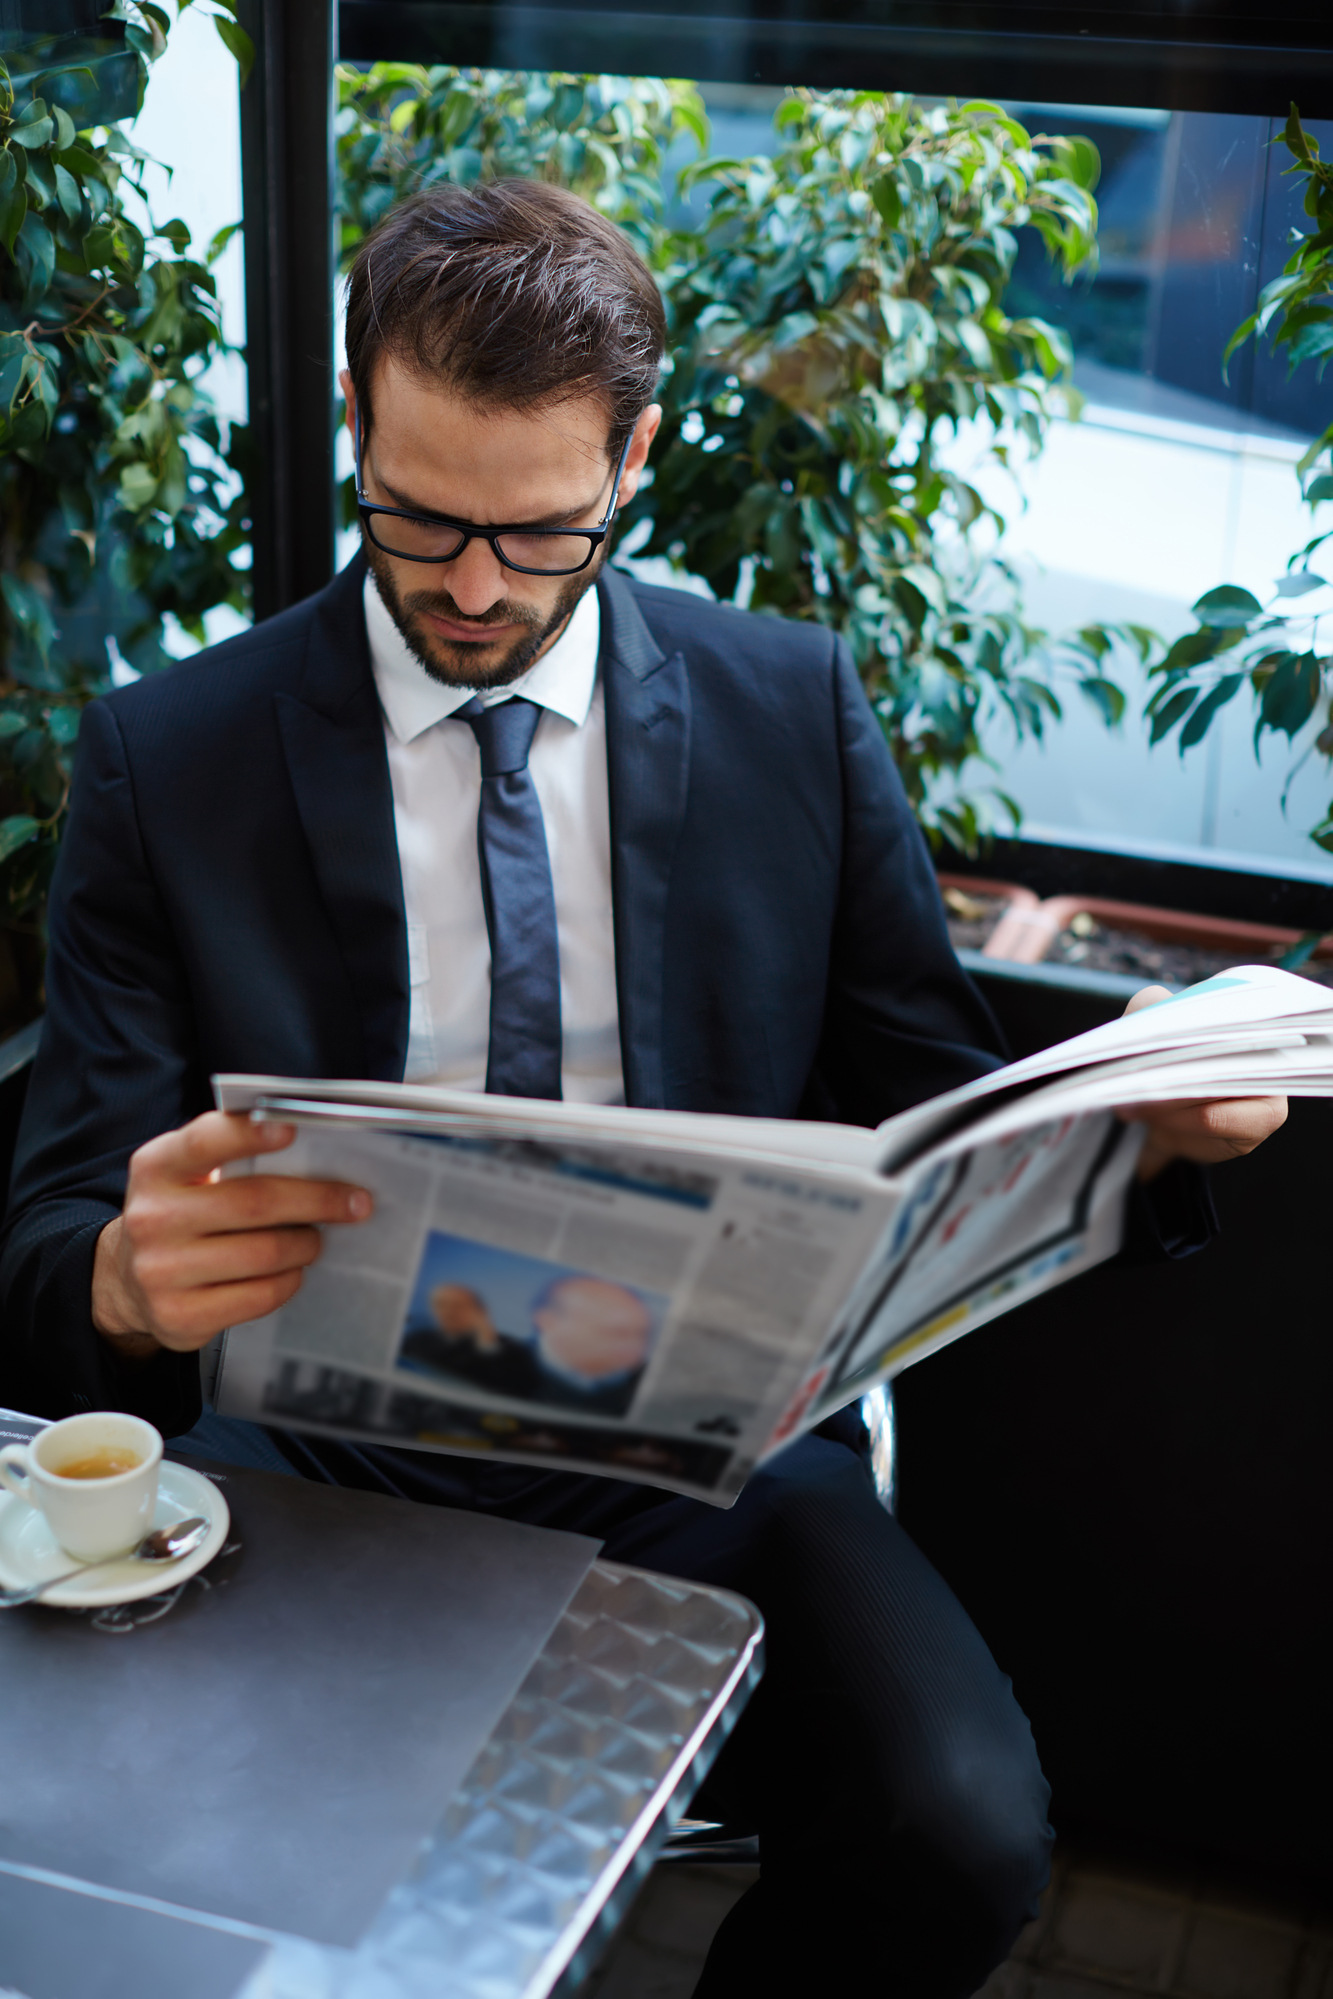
(106, 1463)
(93, 1477)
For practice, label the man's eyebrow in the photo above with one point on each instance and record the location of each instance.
(552, 520)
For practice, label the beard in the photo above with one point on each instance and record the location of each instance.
(456, 663)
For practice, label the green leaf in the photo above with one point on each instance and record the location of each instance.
(34, 127)
(1320, 489)
(1106, 698)
(218, 242)
(63, 725)
(1238, 339)
(1298, 582)
(16, 832)
(1294, 134)
(236, 39)
(41, 181)
(67, 193)
(12, 217)
(1313, 450)
(138, 486)
(884, 193)
(1171, 712)
(11, 724)
(1310, 341)
(1228, 608)
(1190, 650)
(1301, 952)
(28, 607)
(35, 254)
(1081, 161)
(1217, 697)
(1291, 692)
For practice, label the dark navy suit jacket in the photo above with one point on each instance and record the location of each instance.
(228, 896)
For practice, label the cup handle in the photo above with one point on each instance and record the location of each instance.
(15, 1476)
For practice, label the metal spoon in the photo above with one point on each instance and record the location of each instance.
(164, 1544)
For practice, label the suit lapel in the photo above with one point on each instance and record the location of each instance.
(647, 749)
(332, 735)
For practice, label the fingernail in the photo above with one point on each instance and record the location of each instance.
(275, 1135)
(359, 1205)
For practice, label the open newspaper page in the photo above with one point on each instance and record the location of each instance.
(1249, 1008)
(671, 1298)
(980, 1228)
(643, 1311)
(1023, 1185)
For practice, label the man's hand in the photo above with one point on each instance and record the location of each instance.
(192, 1253)
(1210, 1132)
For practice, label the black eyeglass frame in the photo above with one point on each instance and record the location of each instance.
(595, 536)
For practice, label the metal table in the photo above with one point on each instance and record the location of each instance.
(541, 1850)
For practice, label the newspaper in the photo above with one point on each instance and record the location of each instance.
(672, 1297)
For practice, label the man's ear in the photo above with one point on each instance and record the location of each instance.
(645, 430)
(348, 388)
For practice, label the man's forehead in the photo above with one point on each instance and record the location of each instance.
(412, 410)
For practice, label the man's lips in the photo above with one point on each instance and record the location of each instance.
(449, 628)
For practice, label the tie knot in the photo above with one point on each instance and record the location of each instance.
(504, 732)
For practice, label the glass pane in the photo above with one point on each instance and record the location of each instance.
(854, 426)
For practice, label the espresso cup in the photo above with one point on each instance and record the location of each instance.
(94, 1477)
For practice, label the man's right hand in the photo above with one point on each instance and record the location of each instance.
(191, 1253)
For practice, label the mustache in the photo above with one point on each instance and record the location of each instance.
(440, 604)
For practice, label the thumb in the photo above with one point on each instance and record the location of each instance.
(1147, 996)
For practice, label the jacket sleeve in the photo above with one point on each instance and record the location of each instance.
(116, 1065)
(903, 1021)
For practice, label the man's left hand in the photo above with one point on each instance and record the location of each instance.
(1208, 1133)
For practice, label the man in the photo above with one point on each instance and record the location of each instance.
(488, 812)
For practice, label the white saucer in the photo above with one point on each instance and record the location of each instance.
(29, 1550)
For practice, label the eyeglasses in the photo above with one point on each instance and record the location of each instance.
(435, 538)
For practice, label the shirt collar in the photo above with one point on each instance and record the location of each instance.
(562, 679)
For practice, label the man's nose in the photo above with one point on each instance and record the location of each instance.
(476, 579)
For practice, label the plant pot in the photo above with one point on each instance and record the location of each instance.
(1026, 934)
(966, 898)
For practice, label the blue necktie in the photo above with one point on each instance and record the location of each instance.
(525, 1045)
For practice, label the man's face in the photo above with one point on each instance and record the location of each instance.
(592, 1328)
(472, 622)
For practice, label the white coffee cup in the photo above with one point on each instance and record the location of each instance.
(93, 1516)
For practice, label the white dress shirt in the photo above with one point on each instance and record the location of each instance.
(435, 771)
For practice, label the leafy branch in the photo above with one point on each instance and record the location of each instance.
(1279, 652)
(119, 502)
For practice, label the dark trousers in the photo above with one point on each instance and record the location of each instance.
(883, 1761)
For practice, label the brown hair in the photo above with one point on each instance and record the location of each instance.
(515, 293)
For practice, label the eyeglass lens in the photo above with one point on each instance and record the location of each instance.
(432, 541)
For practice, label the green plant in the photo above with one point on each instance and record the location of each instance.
(1277, 651)
(835, 316)
(117, 507)
(401, 127)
